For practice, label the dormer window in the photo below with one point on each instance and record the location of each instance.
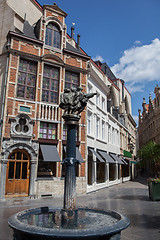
(53, 36)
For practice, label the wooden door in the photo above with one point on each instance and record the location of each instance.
(17, 177)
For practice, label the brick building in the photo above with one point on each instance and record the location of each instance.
(38, 60)
(149, 120)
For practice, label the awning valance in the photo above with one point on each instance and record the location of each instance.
(50, 153)
(96, 154)
(106, 156)
(116, 158)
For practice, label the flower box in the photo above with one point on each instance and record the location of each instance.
(154, 189)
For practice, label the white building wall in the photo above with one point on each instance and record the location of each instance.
(97, 110)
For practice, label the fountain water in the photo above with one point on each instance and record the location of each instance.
(70, 222)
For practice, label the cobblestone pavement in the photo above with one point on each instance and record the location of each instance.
(130, 199)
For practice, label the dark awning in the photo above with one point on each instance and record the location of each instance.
(116, 158)
(123, 160)
(78, 154)
(96, 154)
(106, 156)
(50, 153)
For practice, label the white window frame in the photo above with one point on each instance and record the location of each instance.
(97, 99)
(89, 122)
(103, 130)
(97, 127)
(113, 136)
(103, 103)
(109, 133)
(89, 88)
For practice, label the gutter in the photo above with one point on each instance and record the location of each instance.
(4, 91)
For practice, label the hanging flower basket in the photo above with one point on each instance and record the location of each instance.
(154, 188)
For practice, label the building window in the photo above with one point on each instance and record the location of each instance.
(48, 130)
(103, 130)
(65, 133)
(113, 136)
(109, 133)
(97, 127)
(46, 169)
(26, 79)
(97, 99)
(118, 138)
(53, 36)
(71, 80)
(103, 103)
(89, 119)
(50, 88)
(89, 88)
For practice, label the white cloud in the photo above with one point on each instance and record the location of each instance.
(139, 65)
(98, 58)
(137, 42)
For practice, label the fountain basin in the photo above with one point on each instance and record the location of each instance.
(48, 223)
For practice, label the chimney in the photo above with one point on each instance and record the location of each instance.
(78, 40)
(122, 89)
(72, 32)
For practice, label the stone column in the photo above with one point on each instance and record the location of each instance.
(71, 122)
(3, 178)
(33, 176)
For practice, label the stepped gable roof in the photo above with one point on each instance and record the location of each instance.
(56, 9)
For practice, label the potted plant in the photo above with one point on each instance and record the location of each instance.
(150, 160)
(154, 188)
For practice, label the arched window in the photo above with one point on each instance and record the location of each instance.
(53, 36)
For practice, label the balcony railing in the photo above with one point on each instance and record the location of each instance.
(48, 112)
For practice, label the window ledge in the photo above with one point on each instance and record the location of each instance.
(53, 48)
(102, 141)
(88, 135)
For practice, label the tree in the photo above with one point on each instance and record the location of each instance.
(150, 158)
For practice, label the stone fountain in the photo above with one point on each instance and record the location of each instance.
(70, 222)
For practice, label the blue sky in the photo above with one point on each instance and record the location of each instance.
(123, 33)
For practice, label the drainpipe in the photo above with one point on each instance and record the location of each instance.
(4, 91)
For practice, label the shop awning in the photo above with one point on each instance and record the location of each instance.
(50, 153)
(96, 154)
(116, 158)
(78, 154)
(123, 160)
(106, 156)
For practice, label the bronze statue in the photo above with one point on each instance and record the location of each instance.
(73, 100)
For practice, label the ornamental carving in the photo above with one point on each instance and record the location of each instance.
(22, 126)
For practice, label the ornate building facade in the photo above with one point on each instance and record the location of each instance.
(38, 60)
(149, 120)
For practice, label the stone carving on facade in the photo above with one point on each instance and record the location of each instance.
(22, 126)
(9, 145)
(73, 100)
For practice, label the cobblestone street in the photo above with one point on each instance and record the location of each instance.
(130, 199)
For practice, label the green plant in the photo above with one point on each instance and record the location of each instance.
(150, 158)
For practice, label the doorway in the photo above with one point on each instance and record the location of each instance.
(18, 174)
